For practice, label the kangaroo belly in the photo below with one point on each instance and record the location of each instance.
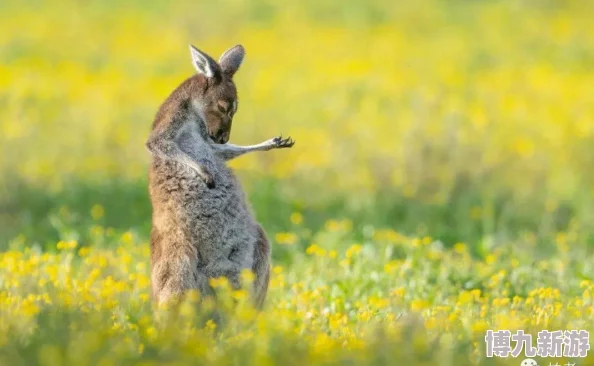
(227, 235)
(217, 221)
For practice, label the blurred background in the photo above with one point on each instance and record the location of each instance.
(464, 120)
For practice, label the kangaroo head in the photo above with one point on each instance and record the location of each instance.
(217, 101)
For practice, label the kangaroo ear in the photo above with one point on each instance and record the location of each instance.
(203, 63)
(231, 59)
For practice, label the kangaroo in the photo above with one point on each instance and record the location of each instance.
(202, 226)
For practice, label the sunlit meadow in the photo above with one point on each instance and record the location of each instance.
(441, 183)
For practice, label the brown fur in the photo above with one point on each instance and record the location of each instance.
(211, 96)
(202, 225)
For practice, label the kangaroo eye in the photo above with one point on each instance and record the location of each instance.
(221, 108)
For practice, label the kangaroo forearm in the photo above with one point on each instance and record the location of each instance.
(164, 141)
(230, 151)
(169, 150)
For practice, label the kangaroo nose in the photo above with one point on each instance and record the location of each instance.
(224, 137)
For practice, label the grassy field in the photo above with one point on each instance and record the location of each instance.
(441, 183)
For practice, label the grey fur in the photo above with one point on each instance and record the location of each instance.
(202, 225)
(231, 59)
